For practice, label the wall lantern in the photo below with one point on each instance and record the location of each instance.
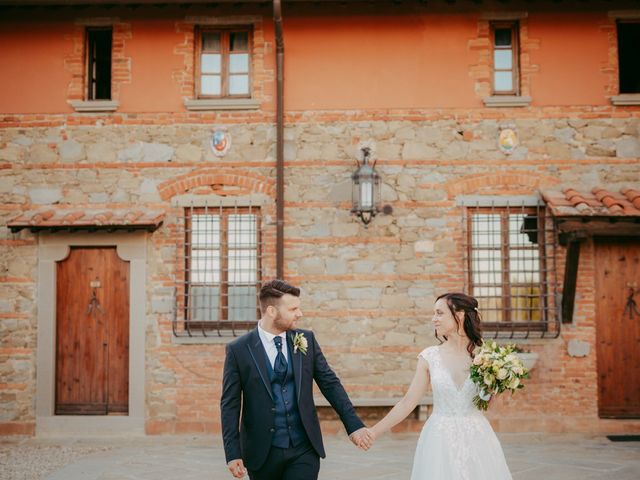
(365, 188)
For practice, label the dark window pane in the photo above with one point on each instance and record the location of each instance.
(99, 64)
(239, 41)
(503, 37)
(629, 60)
(211, 41)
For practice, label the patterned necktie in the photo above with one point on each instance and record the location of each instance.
(280, 366)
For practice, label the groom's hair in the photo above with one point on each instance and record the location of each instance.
(272, 291)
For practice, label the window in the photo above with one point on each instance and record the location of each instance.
(222, 268)
(224, 63)
(509, 263)
(629, 66)
(99, 42)
(506, 80)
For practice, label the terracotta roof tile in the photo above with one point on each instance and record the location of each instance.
(632, 195)
(87, 219)
(600, 202)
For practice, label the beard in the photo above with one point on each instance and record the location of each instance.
(281, 324)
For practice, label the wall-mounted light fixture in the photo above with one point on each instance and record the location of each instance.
(365, 188)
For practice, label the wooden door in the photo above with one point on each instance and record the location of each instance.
(92, 333)
(618, 327)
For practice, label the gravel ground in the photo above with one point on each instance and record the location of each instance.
(30, 459)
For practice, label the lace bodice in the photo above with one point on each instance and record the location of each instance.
(448, 398)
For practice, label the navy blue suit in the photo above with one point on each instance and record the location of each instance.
(248, 403)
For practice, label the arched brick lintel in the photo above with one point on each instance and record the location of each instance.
(506, 182)
(207, 177)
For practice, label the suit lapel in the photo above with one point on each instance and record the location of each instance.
(259, 356)
(296, 361)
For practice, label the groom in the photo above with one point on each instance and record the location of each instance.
(267, 393)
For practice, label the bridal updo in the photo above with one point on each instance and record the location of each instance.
(460, 302)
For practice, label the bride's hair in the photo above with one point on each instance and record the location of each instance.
(460, 302)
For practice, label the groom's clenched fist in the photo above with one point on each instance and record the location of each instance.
(236, 467)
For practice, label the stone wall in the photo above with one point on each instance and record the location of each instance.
(367, 292)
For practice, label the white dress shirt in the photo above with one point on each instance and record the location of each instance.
(270, 346)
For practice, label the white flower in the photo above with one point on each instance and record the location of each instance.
(300, 343)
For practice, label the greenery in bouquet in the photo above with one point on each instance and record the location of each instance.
(496, 369)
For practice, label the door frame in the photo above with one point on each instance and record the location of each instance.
(53, 248)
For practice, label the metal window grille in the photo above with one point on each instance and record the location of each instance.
(220, 275)
(510, 267)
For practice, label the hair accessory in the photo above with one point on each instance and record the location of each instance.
(475, 308)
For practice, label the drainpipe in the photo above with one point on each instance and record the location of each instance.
(277, 19)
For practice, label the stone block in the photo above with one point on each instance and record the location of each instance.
(133, 153)
(162, 304)
(71, 151)
(11, 153)
(362, 293)
(42, 153)
(98, 197)
(418, 151)
(101, 152)
(156, 152)
(22, 140)
(188, 153)
(628, 147)
(45, 195)
(578, 348)
(312, 265)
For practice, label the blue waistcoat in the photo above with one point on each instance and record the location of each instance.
(288, 425)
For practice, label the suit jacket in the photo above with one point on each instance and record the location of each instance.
(247, 404)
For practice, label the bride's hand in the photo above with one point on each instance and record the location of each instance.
(362, 438)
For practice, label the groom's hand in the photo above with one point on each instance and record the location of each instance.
(236, 467)
(362, 438)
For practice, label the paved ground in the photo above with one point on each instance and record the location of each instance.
(530, 457)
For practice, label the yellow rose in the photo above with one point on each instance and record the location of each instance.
(502, 374)
(513, 384)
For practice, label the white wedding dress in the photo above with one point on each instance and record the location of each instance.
(457, 442)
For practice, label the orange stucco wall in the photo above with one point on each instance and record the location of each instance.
(408, 61)
(573, 51)
(33, 78)
(153, 62)
(347, 62)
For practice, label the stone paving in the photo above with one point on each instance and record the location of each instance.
(548, 457)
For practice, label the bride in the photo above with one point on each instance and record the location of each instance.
(457, 442)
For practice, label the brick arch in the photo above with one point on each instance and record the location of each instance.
(208, 177)
(505, 183)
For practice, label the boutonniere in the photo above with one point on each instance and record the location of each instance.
(300, 343)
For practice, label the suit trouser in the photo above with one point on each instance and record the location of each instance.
(294, 463)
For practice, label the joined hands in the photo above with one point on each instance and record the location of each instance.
(363, 438)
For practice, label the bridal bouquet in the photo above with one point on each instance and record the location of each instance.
(495, 369)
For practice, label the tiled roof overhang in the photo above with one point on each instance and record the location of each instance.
(599, 212)
(75, 219)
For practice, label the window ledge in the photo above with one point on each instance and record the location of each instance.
(626, 99)
(94, 105)
(202, 340)
(222, 104)
(506, 101)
